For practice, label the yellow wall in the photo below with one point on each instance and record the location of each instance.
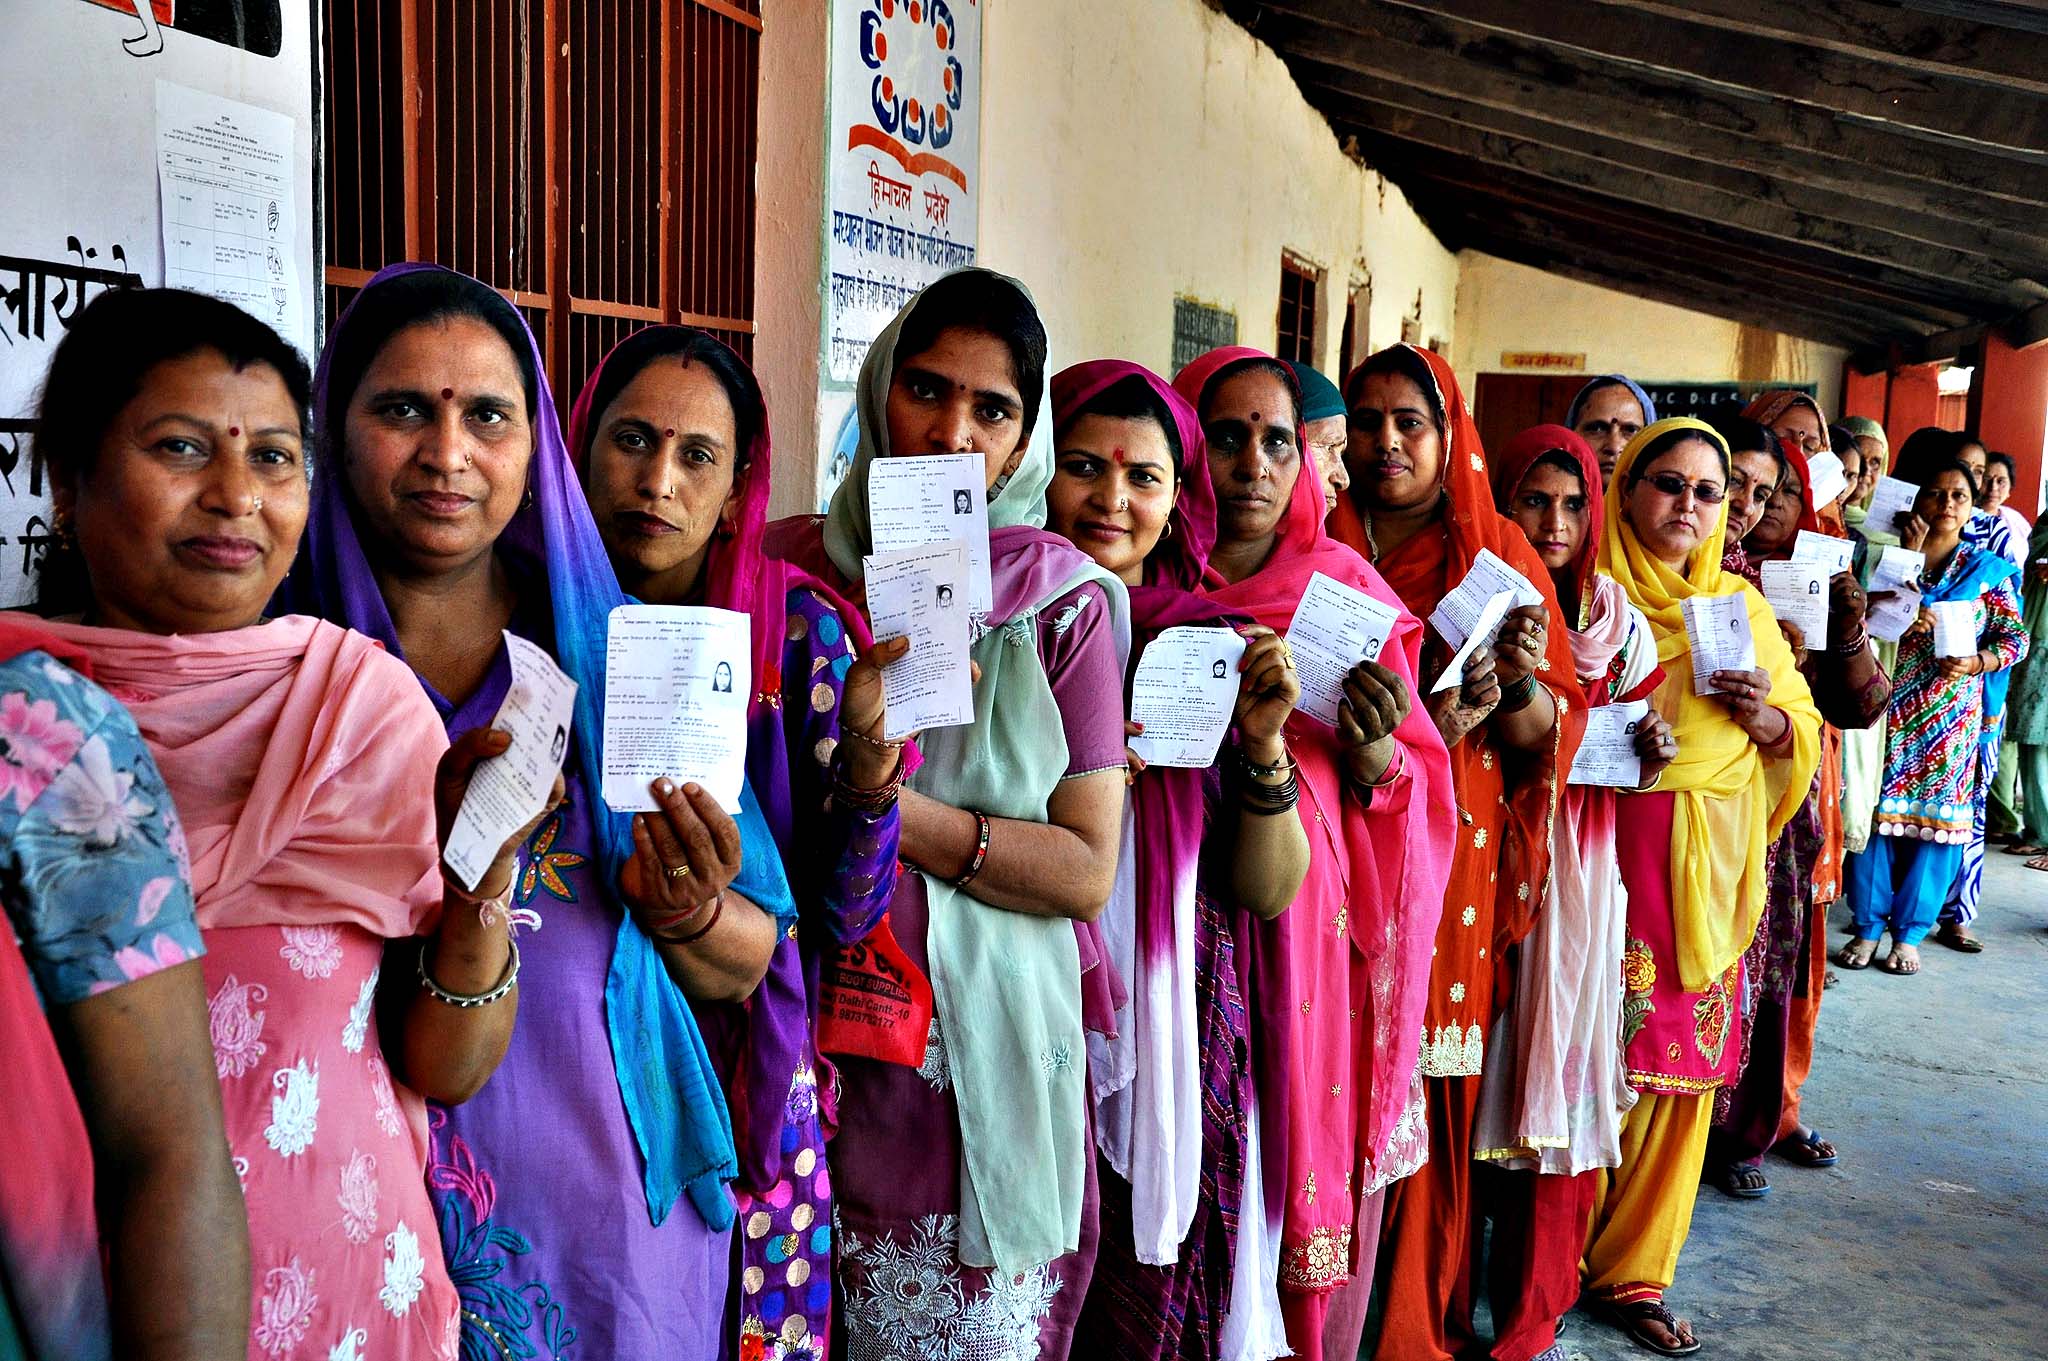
(1131, 150)
(1504, 306)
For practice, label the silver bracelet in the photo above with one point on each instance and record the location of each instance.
(466, 1000)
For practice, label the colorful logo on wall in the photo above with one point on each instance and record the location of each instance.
(253, 25)
(915, 86)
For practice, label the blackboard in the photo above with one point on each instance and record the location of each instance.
(1708, 401)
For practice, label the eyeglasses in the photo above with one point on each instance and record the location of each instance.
(1671, 484)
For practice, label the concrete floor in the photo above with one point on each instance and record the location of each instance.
(1929, 1240)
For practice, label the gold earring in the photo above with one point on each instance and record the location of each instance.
(62, 532)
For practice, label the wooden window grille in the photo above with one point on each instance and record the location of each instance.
(593, 160)
(1297, 325)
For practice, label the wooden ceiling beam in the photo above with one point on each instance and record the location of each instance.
(1693, 196)
(1466, 61)
(2005, 118)
(1660, 234)
(1797, 188)
(1989, 47)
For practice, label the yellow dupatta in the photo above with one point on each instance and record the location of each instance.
(1731, 801)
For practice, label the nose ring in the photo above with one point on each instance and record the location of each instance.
(1123, 503)
(256, 503)
(468, 460)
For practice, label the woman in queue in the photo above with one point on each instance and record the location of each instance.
(448, 518)
(1930, 801)
(972, 1171)
(1210, 854)
(1555, 1090)
(1375, 800)
(1421, 509)
(671, 435)
(1694, 867)
(302, 759)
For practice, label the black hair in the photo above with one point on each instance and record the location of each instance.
(1744, 436)
(1951, 465)
(688, 345)
(409, 300)
(1132, 399)
(2012, 469)
(101, 365)
(1258, 364)
(1841, 437)
(1924, 449)
(1562, 461)
(1670, 440)
(978, 300)
(1406, 363)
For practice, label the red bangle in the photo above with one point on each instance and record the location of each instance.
(980, 851)
(717, 906)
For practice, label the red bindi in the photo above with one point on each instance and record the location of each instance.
(446, 393)
(669, 432)
(1117, 454)
(1255, 415)
(233, 431)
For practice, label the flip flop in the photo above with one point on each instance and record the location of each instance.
(1957, 938)
(2040, 864)
(1730, 1178)
(1902, 969)
(2030, 848)
(1630, 1318)
(1843, 958)
(1805, 1150)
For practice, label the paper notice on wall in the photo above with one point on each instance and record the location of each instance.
(676, 683)
(508, 790)
(1335, 627)
(1184, 693)
(1717, 627)
(230, 215)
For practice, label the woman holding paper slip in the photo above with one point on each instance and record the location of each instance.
(1930, 807)
(449, 526)
(1375, 800)
(966, 1187)
(1555, 1089)
(671, 435)
(1421, 509)
(1787, 962)
(1694, 865)
(1176, 1088)
(303, 762)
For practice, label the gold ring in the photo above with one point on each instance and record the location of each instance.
(678, 871)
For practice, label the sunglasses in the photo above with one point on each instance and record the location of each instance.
(1671, 484)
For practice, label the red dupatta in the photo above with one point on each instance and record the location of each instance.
(1422, 571)
(1376, 878)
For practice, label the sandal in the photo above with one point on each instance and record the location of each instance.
(1744, 1181)
(1899, 966)
(1805, 1149)
(1631, 1317)
(1851, 959)
(2029, 848)
(2039, 864)
(1956, 936)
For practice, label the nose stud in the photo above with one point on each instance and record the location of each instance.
(256, 503)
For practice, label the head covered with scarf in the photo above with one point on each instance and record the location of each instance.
(1731, 802)
(1007, 986)
(1558, 443)
(673, 1097)
(1610, 380)
(1386, 871)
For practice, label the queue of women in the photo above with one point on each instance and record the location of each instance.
(996, 1042)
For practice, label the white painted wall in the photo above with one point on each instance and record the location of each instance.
(1504, 306)
(1131, 150)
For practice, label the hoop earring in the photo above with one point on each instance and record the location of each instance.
(1169, 530)
(526, 503)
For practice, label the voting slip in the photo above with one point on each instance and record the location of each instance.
(1798, 592)
(1455, 616)
(1826, 479)
(1898, 572)
(1717, 627)
(676, 683)
(1607, 753)
(1491, 615)
(1955, 627)
(1335, 627)
(921, 594)
(1184, 692)
(934, 499)
(1892, 499)
(508, 790)
(1836, 554)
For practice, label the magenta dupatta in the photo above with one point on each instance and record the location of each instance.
(1377, 874)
